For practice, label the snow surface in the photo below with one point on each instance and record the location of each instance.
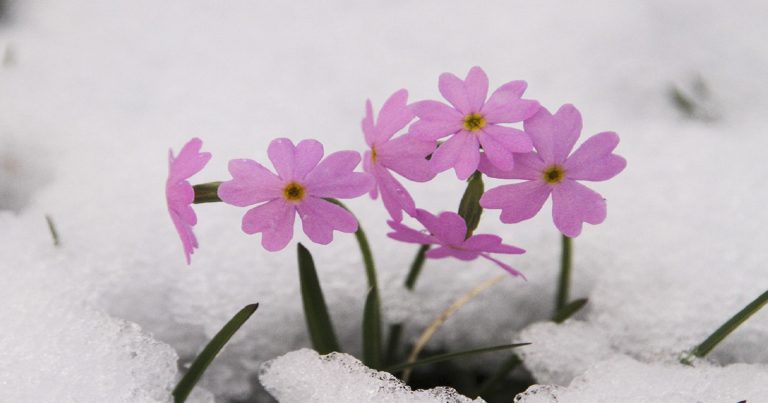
(92, 94)
(305, 376)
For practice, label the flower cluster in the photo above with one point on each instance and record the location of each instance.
(404, 140)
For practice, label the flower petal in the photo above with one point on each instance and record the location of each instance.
(574, 204)
(251, 183)
(396, 199)
(476, 85)
(454, 90)
(369, 130)
(489, 243)
(368, 166)
(505, 105)
(431, 130)
(449, 228)
(504, 266)
(514, 140)
(407, 234)
(517, 201)
(189, 161)
(554, 135)
(446, 251)
(282, 153)
(407, 155)
(320, 218)
(394, 115)
(527, 166)
(448, 153)
(333, 177)
(274, 220)
(435, 110)
(594, 161)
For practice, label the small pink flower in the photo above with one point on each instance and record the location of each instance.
(550, 170)
(474, 122)
(448, 230)
(301, 183)
(405, 155)
(179, 194)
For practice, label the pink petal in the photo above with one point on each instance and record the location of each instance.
(454, 90)
(404, 233)
(282, 153)
(527, 166)
(476, 84)
(505, 105)
(333, 177)
(394, 115)
(504, 266)
(431, 130)
(274, 220)
(496, 152)
(447, 155)
(369, 131)
(319, 218)
(554, 135)
(407, 155)
(179, 196)
(447, 251)
(189, 161)
(368, 166)
(594, 161)
(517, 201)
(514, 140)
(574, 204)
(489, 243)
(396, 199)
(251, 183)
(449, 228)
(434, 110)
(188, 239)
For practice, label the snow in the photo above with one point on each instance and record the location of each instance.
(305, 376)
(95, 93)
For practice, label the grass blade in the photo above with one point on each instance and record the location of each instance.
(450, 356)
(469, 207)
(200, 364)
(52, 229)
(315, 311)
(372, 330)
(569, 310)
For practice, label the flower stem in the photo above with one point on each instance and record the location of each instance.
(418, 263)
(723, 331)
(207, 192)
(564, 282)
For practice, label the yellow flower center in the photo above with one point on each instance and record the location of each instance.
(374, 154)
(293, 191)
(554, 174)
(474, 122)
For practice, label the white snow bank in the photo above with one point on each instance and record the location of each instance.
(623, 379)
(304, 376)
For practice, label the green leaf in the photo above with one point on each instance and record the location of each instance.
(469, 207)
(493, 382)
(569, 310)
(318, 321)
(415, 270)
(450, 356)
(200, 364)
(372, 330)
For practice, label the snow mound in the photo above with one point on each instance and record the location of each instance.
(623, 379)
(304, 376)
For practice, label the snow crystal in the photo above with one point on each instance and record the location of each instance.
(623, 379)
(305, 376)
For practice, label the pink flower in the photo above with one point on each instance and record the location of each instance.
(448, 230)
(301, 183)
(550, 170)
(405, 155)
(179, 194)
(474, 122)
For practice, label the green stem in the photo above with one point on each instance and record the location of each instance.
(207, 192)
(418, 263)
(723, 331)
(564, 282)
(365, 248)
(393, 343)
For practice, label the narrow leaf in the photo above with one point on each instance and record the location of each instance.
(493, 382)
(200, 364)
(315, 311)
(372, 330)
(569, 310)
(469, 207)
(415, 270)
(450, 356)
(52, 229)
